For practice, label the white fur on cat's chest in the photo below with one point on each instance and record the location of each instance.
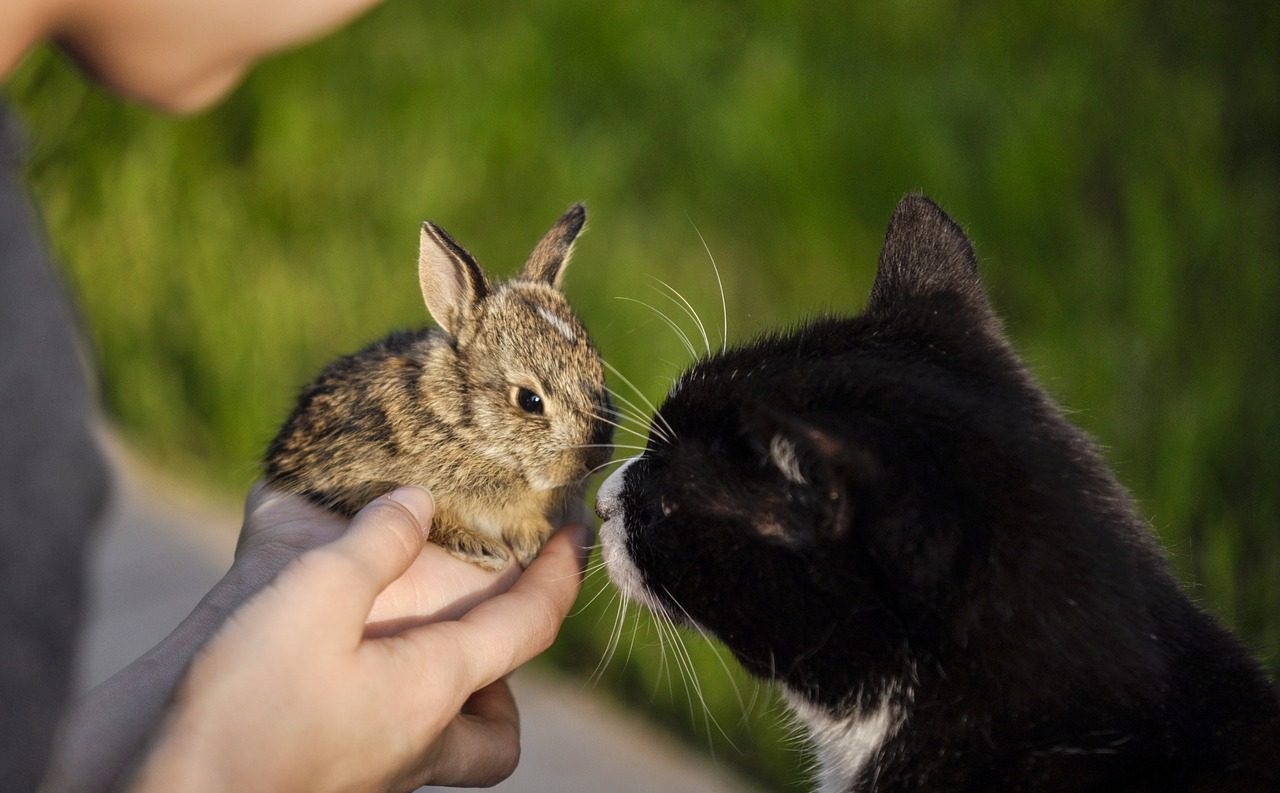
(844, 745)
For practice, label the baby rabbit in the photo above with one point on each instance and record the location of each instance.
(501, 412)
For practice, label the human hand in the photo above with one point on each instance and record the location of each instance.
(438, 585)
(278, 527)
(292, 694)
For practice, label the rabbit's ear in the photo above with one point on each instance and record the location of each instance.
(548, 260)
(452, 283)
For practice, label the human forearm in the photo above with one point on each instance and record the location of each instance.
(105, 731)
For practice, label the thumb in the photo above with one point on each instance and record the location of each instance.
(382, 541)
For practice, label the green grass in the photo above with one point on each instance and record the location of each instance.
(1116, 163)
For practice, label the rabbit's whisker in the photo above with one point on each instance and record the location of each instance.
(688, 309)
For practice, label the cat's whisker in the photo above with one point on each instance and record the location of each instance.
(597, 565)
(617, 421)
(632, 413)
(598, 673)
(615, 461)
(755, 698)
(603, 465)
(656, 413)
(658, 433)
(665, 619)
(707, 715)
(652, 620)
(628, 409)
(605, 446)
(593, 599)
(708, 718)
(614, 594)
(724, 305)
(642, 436)
(638, 416)
(711, 644)
(688, 309)
(662, 659)
(615, 636)
(627, 381)
(689, 678)
(635, 628)
(671, 323)
(587, 578)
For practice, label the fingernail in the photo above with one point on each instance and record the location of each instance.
(419, 503)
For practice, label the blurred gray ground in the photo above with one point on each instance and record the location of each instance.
(160, 551)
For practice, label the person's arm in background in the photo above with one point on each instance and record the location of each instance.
(177, 55)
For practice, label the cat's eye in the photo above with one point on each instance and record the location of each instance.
(529, 402)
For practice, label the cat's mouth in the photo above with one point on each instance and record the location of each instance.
(613, 546)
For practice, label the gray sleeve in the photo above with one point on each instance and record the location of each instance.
(53, 484)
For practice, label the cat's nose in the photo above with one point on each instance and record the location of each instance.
(605, 509)
(608, 497)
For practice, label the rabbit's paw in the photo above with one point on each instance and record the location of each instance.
(526, 539)
(471, 547)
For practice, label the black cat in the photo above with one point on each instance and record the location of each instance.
(887, 516)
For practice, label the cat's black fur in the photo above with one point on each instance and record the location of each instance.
(886, 512)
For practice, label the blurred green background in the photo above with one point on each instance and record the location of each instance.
(1115, 162)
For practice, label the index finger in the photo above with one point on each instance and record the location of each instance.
(506, 631)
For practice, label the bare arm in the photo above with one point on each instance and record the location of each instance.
(178, 55)
(105, 731)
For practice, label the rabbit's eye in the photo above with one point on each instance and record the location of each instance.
(529, 402)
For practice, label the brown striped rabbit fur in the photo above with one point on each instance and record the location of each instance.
(501, 412)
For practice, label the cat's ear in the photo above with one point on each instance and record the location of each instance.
(816, 464)
(549, 259)
(452, 282)
(925, 253)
